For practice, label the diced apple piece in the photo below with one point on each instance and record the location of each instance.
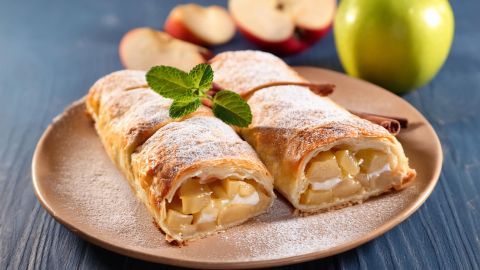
(383, 181)
(207, 226)
(231, 187)
(207, 214)
(322, 167)
(245, 189)
(193, 187)
(194, 203)
(195, 196)
(233, 213)
(187, 229)
(234, 187)
(220, 203)
(314, 197)
(347, 162)
(177, 220)
(364, 180)
(372, 160)
(218, 191)
(206, 219)
(346, 188)
(176, 204)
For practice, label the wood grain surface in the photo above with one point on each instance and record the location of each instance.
(52, 51)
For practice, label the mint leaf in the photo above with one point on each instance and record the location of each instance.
(231, 108)
(170, 82)
(186, 90)
(183, 106)
(202, 77)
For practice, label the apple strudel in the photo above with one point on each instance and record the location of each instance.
(195, 174)
(321, 156)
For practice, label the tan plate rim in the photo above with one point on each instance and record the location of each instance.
(248, 264)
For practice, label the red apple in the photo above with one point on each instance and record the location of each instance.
(143, 48)
(283, 27)
(200, 25)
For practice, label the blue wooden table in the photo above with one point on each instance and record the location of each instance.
(52, 51)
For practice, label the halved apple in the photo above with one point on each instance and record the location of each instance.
(143, 48)
(200, 25)
(283, 26)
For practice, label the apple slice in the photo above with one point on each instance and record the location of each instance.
(143, 48)
(200, 25)
(283, 26)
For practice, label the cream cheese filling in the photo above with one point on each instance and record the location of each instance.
(340, 173)
(207, 217)
(375, 174)
(252, 199)
(218, 203)
(326, 185)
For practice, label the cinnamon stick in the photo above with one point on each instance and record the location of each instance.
(392, 124)
(401, 120)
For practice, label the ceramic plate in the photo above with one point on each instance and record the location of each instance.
(78, 185)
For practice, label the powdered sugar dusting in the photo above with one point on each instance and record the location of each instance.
(281, 107)
(179, 145)
(91, 189)
(240, 71)
(294, 236)
(85, 189)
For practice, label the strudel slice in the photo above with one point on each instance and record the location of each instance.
(195, 175)
(321, 156)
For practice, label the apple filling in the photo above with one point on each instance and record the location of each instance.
(339, 173)
(207, 207)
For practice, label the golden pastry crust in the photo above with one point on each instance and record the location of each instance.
(160, 169)
(157, 153)
(290, 123)
(203, 147)
(114, 82)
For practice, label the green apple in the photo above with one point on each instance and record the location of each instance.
(398, 44)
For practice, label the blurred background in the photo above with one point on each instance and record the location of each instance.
(52, 51)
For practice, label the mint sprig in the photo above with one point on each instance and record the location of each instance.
(188, 90)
